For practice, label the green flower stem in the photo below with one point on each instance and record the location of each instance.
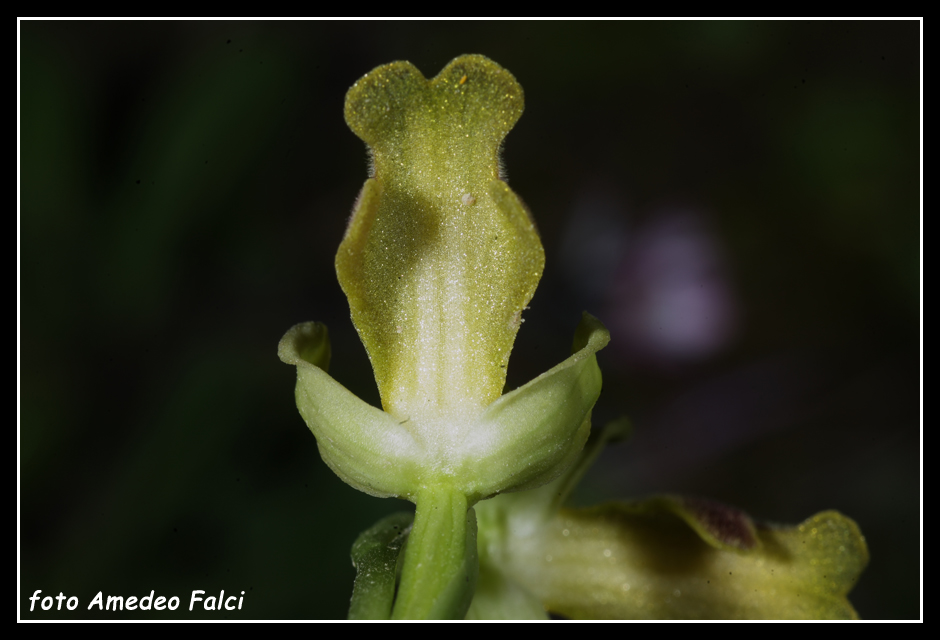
(440, 567)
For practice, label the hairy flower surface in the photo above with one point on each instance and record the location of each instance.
(439, 261)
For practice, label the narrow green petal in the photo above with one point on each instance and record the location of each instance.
(375, 556)
(440, 258)
(363, 445)
(643, 561)
(531, 435)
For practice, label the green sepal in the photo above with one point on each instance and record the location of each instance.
(375, 557)
(363, 445)
(526, 438)
(533, 434)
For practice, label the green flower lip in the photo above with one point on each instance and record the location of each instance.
(438, 262)
(440, 257)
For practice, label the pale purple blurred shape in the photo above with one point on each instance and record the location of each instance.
(670, 302)
(661, 285)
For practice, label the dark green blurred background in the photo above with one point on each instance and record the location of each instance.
(738, 201)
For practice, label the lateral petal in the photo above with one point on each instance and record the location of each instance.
(366, 447)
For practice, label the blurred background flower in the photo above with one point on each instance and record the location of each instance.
(738, 201)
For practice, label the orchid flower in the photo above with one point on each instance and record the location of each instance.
(438, 263)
